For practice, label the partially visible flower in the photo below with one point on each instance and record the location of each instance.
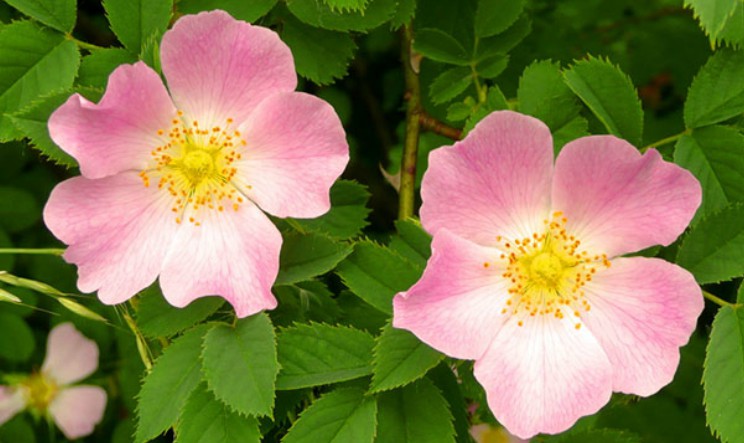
(527, 276)
(173, 179)
(50, 393)
(485, 433)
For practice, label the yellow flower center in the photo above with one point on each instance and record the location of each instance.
(39, 391)
(195, 166)
(547, 272)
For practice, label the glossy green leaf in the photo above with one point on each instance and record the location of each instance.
(495, 16)
(319, 14)
(348, 214)
(439, 46)
(319, 354)
(723, 378)
(543, 94)
(58, 14)
(207, 420)
(339, 416)
(449, 84)
(16, 338)
(411, 242)
(308, 255)
(158, 318)
(610, 95)
(135, 21)
(240, 364)
(96, 67)
(249, 11)
(717, 92)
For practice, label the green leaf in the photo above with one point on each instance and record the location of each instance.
(713, 14)
(303, 302)
(319, 354)
(240, 365)
(157, 318)
(733, 32)
(32, 123)
(347, 5)
(58, 14)
(723, 378)
(27, 55)
(16, 338)
(168, 386)
(305, 256)
(249, 11)
(404, 14)
(348, 214)
(400, 358)
(543, 94)
(413, 414)
(740, 294)
(135, 21)
(449, 84)
(206, 420)
(715, 155)
(578, 127)
(96, 67)
(595, 435)
(495, 16)
(504, 42)
(492, 67)
(412, 242)
(714, 249)
(339, 416)
(439, 46)
(717, 92)
(318, 14)
(320, 55)
(610, 95)
(19, 209)
(450, 386)
(495, 101)
(376, 274)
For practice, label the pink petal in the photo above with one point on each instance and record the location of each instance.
(456, 305)
(218, 67)
(296, 149)
(619, 201)
(642, 311)
(12, 401)
(70, 356)
(543, 376)
(77, 410)
(233, 254)
(494, 182)
(118, 133)
(118, 232)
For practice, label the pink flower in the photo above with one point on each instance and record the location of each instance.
(172, 180)
(75, 409)
(526, 275)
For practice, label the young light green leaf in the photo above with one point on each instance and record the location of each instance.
(717, 92)
(58, 14)
(339, 416)
(348, 214)
(319, 354)
(449, 84)
(610, 95)
(439, 46)
(713, 14)
(495, 16)
(715, 154)
(168, 386)
(413, 414)
(249, 11)
(96, 67)
(543, 94)
(400, 358)
(305, 256)
(723, 378)
(240, 365)
(136, 21)
(16, 338)
(411, 242)
(376, 274)
(495, 101)
(733, 32)
(319, 14)
(157, 318)
(714, 249)
(205, 419)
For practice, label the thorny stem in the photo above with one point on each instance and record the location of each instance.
(665, 141)
(431, 124)
(719, 301)
(42, 251)
(413, 126)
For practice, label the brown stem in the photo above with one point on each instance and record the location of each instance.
(431, 124)
(413, 125)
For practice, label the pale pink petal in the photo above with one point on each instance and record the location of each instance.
(543, 376)
(619, 201)
(494, 182)
(70, 356)
(12, 401)
(456, 305)
(218, 67)
(118, 133)
(296, 148)
(77, 410)
(233, 254)
(118, 232)
(642, 311)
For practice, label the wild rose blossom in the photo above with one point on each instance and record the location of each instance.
(171, 185)
(50, 393)
(527, 276)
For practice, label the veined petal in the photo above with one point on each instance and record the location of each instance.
(218, 67)
(118, 232)
(233, 254)
(119, 133)
(12, 401)
(543, 376)
(70, 356)
(642, 311)
(619, 201)
(77, 410)
(494, 182)
(456, 305)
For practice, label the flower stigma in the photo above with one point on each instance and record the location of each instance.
(195, 166)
